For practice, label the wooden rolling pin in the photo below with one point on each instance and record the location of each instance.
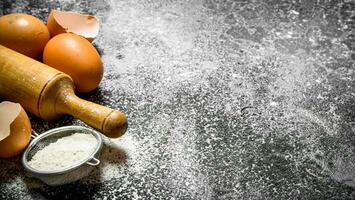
(49, 94)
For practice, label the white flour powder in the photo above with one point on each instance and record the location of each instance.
(64, 153)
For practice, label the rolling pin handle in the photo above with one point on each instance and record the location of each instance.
(115, 124)
(111, 123)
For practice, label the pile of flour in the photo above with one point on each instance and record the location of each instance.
(64, 153)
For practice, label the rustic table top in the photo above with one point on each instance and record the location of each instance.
(225, 100)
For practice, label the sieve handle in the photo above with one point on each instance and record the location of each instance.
(34, 134)
(96, 161)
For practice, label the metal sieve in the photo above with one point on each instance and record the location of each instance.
(67, 175)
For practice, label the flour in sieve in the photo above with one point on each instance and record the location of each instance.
(64, 153)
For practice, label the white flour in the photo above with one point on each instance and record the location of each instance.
(64, 153)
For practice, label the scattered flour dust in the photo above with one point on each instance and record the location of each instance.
(65, 152)
(118, 156)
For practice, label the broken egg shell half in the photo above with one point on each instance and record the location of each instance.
(15, 129)
(86, 26)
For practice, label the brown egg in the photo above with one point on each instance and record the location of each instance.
(77, 57)
(86, 26)
(15, 129)
(23, 33)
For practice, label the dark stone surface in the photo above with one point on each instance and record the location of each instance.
(227, 99)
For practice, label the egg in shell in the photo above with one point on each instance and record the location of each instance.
(77, 57)
(23, 33)
(15, 129)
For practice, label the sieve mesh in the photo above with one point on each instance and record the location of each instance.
(41, 144)
(70, 174)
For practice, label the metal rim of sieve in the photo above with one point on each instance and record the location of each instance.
(58, 131)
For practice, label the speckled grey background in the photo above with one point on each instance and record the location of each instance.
(228, 99)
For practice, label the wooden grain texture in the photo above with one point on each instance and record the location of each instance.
(49, 94)
(22, 79)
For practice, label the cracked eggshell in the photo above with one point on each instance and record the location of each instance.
(86, 26)
(15, 129)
